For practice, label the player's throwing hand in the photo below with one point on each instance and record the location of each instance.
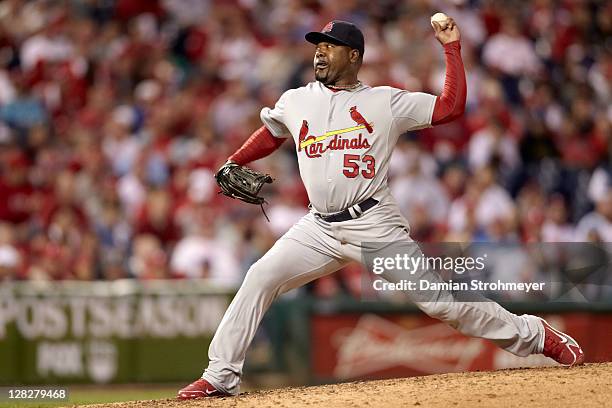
(449, 34)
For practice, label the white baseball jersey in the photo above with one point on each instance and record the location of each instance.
(344, 139)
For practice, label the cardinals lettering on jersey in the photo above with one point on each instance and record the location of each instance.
(313, 145)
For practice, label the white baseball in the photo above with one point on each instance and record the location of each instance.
(439, 18)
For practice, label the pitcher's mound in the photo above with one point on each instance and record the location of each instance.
(586, 386)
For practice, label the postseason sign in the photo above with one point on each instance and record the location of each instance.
(106, 331)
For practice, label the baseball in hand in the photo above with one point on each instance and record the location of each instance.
(439, 18)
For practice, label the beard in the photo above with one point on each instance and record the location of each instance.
(321, 78)
(324, 76)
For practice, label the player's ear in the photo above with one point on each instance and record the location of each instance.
(354, 56)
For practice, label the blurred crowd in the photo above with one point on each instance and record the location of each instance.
(115, 114)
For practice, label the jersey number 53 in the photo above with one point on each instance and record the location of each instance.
(352, 166)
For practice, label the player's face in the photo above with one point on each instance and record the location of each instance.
(331, 62)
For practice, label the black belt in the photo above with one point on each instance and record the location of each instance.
(346, 215)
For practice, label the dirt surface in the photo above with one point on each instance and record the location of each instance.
(586, 386)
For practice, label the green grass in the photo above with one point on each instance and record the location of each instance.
(79, 395)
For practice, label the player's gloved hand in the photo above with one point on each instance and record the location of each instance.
(242, 182)
(449, 34)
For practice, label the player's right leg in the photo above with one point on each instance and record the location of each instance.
(305, 253)
(381, 233)
(474, 315)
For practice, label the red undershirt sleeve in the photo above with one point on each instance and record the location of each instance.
(451, 103)
(260, 144)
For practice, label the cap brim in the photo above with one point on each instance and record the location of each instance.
(316, 37)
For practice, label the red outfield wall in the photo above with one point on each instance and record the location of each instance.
(363, 345)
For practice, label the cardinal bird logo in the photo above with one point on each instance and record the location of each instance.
(303, 134)
(357, 117)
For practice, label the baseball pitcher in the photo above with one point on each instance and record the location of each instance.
(344, 132)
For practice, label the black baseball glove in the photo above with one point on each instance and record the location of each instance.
(241, 182)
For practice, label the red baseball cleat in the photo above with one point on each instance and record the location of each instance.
(561, 347)
(200, 388)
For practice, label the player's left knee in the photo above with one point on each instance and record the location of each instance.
(262, 276)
